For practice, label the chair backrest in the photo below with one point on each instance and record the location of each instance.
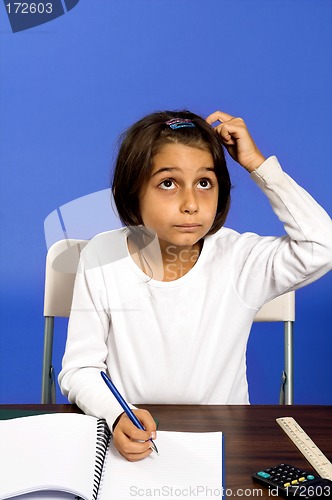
(61, 267)
(281, 308)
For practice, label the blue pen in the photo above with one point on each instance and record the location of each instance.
(125, 407)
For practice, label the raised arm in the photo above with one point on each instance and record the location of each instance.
(269, 266)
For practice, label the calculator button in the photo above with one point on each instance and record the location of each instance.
(286, 485)
(295, 481)
(310, 477)
(263, 474)
(301, 479)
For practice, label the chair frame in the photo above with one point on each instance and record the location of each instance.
(61, 266)
(282, 308)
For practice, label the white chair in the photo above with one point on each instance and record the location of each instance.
(283, 309)
(61, 266)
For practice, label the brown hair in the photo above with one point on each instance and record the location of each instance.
(141, 142)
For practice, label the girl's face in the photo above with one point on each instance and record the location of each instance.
(179, 202)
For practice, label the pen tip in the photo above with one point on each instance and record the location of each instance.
(154, 447)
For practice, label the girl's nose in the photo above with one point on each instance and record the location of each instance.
(189, 204)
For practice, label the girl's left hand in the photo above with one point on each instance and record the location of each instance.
(237, 140)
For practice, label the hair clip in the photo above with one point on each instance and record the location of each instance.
(180, 123)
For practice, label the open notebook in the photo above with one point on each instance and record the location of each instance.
(58, 456)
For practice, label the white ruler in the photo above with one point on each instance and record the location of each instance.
(306, 446)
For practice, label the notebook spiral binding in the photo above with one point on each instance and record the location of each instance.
(103, 438)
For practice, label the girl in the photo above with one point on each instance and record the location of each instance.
(165, 305)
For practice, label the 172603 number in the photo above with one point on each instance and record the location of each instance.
(29, 8)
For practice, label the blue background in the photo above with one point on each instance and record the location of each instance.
(68, 89)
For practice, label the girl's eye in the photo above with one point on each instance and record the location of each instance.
(204, 184)
(167, 184)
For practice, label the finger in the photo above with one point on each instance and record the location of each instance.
(129, 448)
(219, 116)
(226, 136)
(126, 426)
(147, 421)
(135, 457)
(229, 132)
(132, 450)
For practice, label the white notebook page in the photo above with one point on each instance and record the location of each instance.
(55, 451)
(189, 465)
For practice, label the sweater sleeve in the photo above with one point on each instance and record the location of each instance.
(271, 266)
(86, 349)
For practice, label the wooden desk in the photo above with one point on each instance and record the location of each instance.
(253, 439)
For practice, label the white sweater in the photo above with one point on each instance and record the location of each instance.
(184, 341)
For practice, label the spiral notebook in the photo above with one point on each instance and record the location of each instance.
(62, 456)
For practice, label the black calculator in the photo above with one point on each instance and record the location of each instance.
(289, 481)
